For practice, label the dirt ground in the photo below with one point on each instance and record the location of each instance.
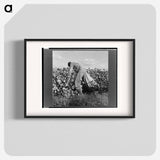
(93, 100)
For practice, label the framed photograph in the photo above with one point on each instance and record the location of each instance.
(79, 78)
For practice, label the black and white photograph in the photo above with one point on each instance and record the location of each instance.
(80, 77)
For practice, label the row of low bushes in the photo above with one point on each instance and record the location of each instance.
(60, 76)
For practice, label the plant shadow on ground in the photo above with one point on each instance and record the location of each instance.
(93, 100)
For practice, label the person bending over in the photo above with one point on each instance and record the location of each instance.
(80, 72)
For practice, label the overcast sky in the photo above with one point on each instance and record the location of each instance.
(87, 58)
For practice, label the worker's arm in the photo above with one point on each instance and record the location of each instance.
(69, 74)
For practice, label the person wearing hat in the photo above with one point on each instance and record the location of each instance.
(80, 73)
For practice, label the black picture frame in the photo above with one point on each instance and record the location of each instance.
(99, 40)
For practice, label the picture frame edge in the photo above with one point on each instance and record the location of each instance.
(80, 39)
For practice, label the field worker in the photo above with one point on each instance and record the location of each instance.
(80, 73)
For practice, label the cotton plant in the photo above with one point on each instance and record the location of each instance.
(60, 76)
